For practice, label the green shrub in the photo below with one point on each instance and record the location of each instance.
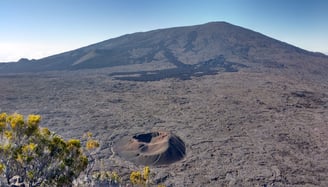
(37, 155)
(40, 157)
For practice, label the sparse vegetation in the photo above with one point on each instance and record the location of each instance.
(140, 178)
(34, 156)
(38, 156)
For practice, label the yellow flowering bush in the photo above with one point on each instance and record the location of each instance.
(146, 172)
(92, 144)
(33, 120)
(37, 155)
(74, 143)
(2, 168)
(15, 120)
(106, 177)
(43, 158)
(135, 177)
(3, 118)
(8, 135)
(141, 179)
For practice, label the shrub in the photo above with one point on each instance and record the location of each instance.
(140, 178)
(37, 155)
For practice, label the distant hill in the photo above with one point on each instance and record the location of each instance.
(197, 50)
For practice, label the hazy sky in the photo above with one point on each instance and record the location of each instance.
(39, 28)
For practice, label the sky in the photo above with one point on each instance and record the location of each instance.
(38, 28)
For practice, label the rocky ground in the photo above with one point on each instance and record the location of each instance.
(246, 128)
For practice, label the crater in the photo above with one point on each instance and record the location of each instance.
(153, 148)
(145, 137)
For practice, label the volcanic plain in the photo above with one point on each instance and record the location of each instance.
(250, 110)
(242, 128)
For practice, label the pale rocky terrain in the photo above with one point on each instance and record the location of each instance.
(254, 127)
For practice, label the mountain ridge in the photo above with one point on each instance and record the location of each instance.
(170, 48)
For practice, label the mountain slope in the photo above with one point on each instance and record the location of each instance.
(181, 47)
